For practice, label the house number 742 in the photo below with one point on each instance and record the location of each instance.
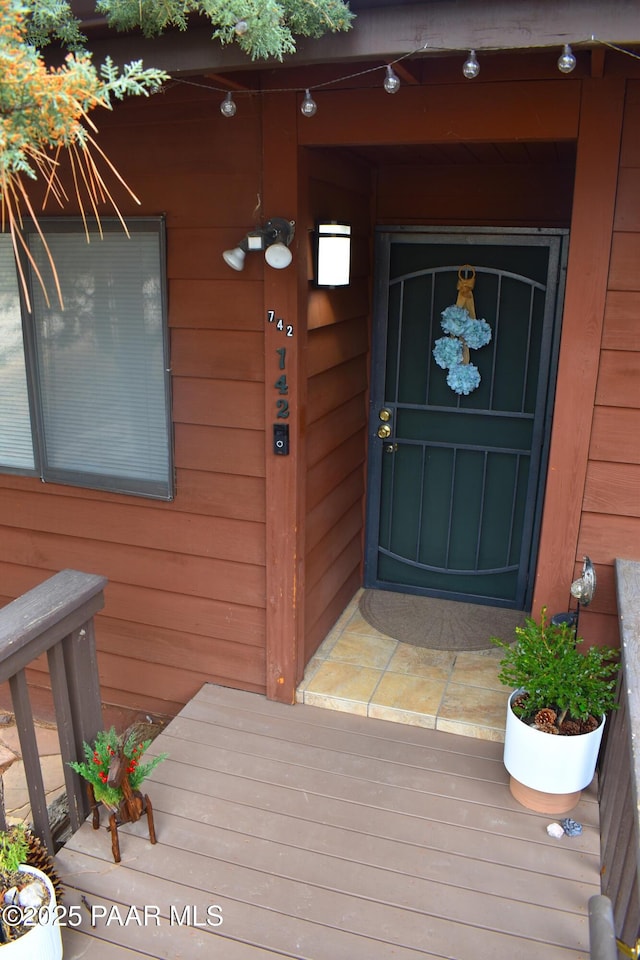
(287, 328)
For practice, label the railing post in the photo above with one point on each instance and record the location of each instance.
(55, 617)
(30, 756)
(81, 671)
(602, 938)
(619, 776)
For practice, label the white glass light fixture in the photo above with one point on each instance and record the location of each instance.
(333, 254)
(391, 81)
(471, 67)
(566, 60)
(274, 238)
(309, 106)
(234, 258)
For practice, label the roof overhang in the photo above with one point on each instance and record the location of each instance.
(385, 31)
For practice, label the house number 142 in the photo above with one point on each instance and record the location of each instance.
(281, 385)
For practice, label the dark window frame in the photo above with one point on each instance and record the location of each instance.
(100, 479)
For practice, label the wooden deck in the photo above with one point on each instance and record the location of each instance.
(326, 836)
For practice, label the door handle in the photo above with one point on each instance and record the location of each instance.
(385, 415)
(384, 431)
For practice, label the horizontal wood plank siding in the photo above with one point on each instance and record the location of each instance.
(506, 194)
(337, 366)
(216, 304)
(610, 525)
(185, 602)
(615, 435)
(622, 330)
(544, 110)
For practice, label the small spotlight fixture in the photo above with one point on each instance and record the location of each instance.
(228, 107)
(391, 81)
(471, 67)
(274, 238)
(333, 253)
(309, 106)
(566, 60)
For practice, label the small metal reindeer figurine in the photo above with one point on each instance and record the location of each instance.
(132, 806)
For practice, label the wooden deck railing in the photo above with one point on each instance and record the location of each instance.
(55, 618)
(620, 772)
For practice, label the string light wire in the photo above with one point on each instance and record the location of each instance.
(614, 46)
(384, 67)
(315, 86)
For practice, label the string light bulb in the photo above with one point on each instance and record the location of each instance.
(471, 67)
(391, 81)
(241, 28)
(566, 60)
(228, 107)
(309, 106)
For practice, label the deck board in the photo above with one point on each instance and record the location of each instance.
(323, 836)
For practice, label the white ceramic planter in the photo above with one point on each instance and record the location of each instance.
(43, 941)
(546, 763)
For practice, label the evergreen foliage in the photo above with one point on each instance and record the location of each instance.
(95, 767)
(44, 110)
(268, 27)
(44, 115)
(547, 663)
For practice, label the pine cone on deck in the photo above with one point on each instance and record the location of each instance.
(545, 717)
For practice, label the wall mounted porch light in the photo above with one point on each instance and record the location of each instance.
(333, 254)
(274, 238)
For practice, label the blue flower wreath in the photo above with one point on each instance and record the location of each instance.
(449, 352)
(463, 378)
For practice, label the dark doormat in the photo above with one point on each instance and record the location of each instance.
(438, 624)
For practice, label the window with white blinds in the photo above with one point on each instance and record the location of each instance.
(16, 444)
(97, 370)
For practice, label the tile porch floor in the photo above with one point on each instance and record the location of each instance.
(360, 670)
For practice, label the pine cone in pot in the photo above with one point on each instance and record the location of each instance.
(570, 728)
(586, 726)
(546, 718)
(547, 728)
(38, 856)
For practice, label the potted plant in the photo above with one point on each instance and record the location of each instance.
(556, 714)
(29, 922)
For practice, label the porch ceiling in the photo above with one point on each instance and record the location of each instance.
(386, 31)
(469, 154)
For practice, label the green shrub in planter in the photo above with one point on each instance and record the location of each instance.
(566, 691)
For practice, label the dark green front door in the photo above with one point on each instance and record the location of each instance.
(455, 487)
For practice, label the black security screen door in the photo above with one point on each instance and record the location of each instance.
(455, 481)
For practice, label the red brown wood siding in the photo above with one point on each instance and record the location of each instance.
(610, 523)
(189, 596)
(598, 154)
(489, 185)
(185, 601)
(337, 364)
